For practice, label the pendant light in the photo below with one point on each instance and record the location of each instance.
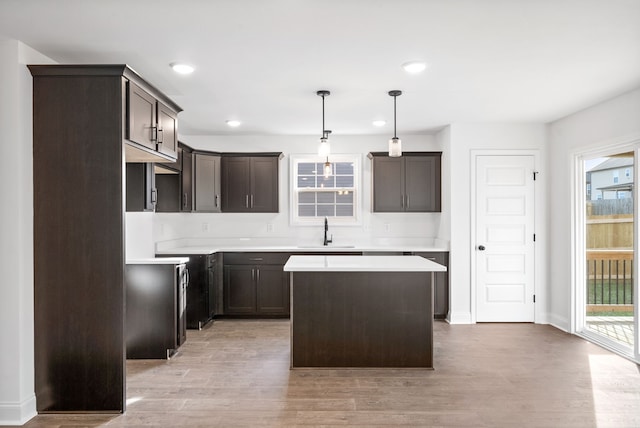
(324, 148)
(395, 145)
(327, 169)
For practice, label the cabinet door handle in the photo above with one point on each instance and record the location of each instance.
(253, 274)
(154, 134)
(160, 136)
(256, 259)
(252, 201)
(257, 275)
(407, 203)
(246, 201)
(216, 201)
(402, 201)
(154, 196)
(184, 200)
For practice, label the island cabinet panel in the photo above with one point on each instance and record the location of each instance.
(250, 183)
(441, 283)
(206, 176)
(255, 284)
(411, 183)
(80, 120)
(361, 319)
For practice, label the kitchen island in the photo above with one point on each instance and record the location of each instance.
(361, 311)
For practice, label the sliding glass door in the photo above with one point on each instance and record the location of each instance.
(607, 290)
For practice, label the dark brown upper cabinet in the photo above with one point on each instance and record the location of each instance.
(410, 183)
(141, 187)
(151, 124)
(186, 178)
(206, 182)
(167, 183)
(167, 130)
(250, 182)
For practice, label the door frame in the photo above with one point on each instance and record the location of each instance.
(539, 313)
(578, 244)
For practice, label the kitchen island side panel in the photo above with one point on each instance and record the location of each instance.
(362, 319)
(79, 243)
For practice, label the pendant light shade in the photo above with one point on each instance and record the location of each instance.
(395, 144)
(328, 171)
(324, 149)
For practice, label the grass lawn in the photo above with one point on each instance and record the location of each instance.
(610, 292)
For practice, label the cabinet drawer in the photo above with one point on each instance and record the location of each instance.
(255, 258)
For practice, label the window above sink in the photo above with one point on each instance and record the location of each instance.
(316, 195)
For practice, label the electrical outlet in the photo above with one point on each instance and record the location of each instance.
(205, 227)
(387, 227)
(269, 227)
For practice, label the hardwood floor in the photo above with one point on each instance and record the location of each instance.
(236, 373)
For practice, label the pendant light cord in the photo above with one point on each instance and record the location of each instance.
(394, 117)
(323, 133)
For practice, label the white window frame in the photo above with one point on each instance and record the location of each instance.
(295, 219)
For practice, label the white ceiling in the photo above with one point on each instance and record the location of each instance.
(262, 61)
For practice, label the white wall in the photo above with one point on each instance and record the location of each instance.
(17, 398)
(379, 227)
(462, 140)
(612, 122)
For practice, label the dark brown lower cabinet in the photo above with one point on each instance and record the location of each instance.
(156, 297)
(441, 287)
(255, 284)
(201, 293)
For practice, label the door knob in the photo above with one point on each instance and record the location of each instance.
(481, 247)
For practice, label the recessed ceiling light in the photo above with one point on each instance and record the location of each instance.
(379, 123)
(414, 66)
(233, 123)
(182, 68)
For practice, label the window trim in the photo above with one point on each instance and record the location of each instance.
(295, 220)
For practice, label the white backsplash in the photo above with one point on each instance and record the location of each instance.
(139, 235)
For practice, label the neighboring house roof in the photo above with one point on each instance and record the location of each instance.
(627, 187)
(613, 163)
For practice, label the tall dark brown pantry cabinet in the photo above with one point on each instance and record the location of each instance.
(81, 136)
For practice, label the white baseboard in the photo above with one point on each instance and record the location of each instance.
(561, 323)
(459, 318)
(12, 413)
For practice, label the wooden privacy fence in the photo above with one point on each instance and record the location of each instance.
(610, 280)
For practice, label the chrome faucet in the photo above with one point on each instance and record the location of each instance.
(326, 229)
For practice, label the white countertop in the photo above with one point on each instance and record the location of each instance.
(361, 264)
(206, 249)
(159, 261)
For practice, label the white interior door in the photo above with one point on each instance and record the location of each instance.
(504, 241)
